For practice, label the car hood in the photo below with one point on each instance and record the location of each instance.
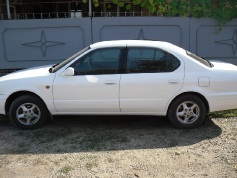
(27, 73)
(220, 65)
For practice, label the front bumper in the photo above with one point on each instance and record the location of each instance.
(2, 104)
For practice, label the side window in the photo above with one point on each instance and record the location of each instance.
(149, 60)
(102, 61)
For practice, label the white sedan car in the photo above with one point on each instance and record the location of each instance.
(121, 78)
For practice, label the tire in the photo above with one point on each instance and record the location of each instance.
(28, 112)
(187, 111)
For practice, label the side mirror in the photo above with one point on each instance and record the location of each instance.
(69, 72)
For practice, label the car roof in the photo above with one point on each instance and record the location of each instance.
(132, 43)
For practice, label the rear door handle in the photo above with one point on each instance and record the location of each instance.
(173, 81)
(110, 82)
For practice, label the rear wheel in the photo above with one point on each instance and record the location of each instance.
(28, 112)
(187, 111)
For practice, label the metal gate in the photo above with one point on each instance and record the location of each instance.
(27, 43)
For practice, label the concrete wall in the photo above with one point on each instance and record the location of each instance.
(27, 43)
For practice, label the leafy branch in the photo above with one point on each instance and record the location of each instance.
(221, 10)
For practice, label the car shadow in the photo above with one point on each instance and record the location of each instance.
(71, 134)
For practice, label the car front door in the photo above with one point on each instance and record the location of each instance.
(94, 88)
(152, 78)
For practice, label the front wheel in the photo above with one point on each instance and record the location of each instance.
(187, 111)
(28, 112)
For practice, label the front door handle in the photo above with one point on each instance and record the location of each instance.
(110, 82)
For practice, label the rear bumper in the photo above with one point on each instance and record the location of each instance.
(223, 103)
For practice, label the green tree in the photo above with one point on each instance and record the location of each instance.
(221, 10)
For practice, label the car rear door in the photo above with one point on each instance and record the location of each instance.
(152, 78)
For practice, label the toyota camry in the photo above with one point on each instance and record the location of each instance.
(132, 77)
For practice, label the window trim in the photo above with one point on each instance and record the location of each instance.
(199, 59)
(60, 65)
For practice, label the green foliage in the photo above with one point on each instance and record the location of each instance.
(95, 2)
(223, 114)
(66, 169)
(221, 10)
(225, 11)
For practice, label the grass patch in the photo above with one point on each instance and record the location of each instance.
(23, 145)
(47, 136)
(65, 169)
(98, 140)
(17, 151)
(173, 143)
(223, 114)
(91, 165)
(110, 160)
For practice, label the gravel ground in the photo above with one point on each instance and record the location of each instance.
(109, 146)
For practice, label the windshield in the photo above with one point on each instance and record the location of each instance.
(199, 59)
(58, 66)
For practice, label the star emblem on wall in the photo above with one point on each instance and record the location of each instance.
(43, 43)
(231, 42)
(141, 35)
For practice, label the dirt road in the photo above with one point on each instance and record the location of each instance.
(109, 146)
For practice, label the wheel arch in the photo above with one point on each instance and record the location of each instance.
(193, 93)
(15, 95)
